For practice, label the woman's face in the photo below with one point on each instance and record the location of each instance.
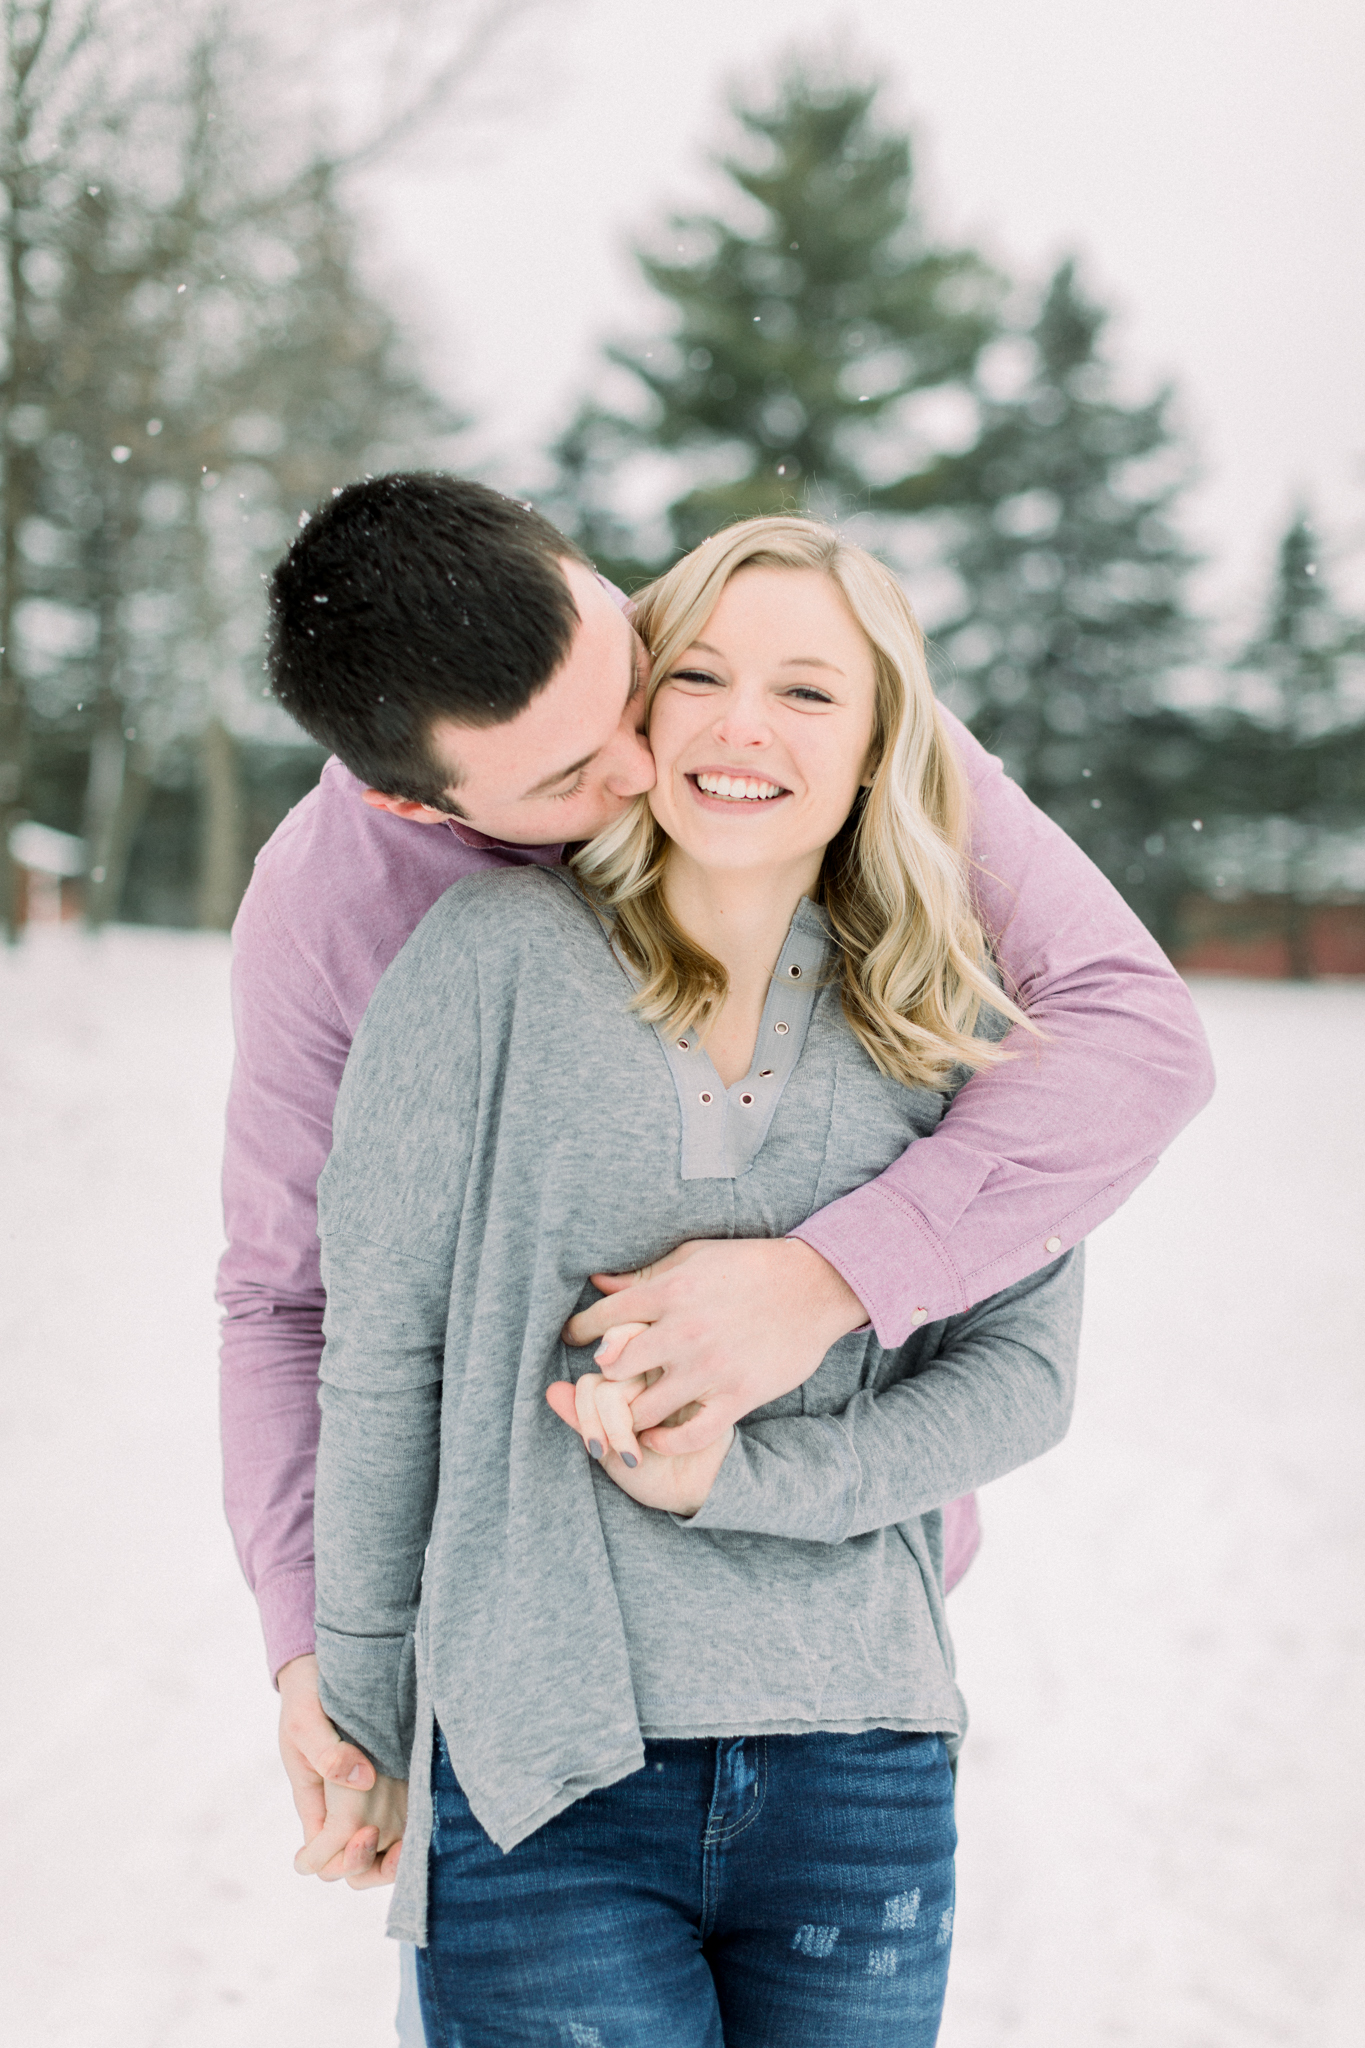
(762, 728)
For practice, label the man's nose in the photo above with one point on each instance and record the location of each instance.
(632, 773)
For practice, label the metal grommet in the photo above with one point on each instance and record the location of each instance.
(746, 1100)
(682, 1045)
(781, 1029)
(706, 1094)
(765, 1073)
(795, 973)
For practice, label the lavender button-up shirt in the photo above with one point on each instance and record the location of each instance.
(1030, 1157)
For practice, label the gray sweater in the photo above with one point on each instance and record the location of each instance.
(505, 1126)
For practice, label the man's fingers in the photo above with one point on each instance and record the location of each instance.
(614, 1283)
(310, 1804)
(645, 1354)
(639, 1301)
(704, 1426)
(344, 1764)
(614, 1342)
(327, 1846)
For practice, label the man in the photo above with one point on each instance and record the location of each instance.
(482, 692)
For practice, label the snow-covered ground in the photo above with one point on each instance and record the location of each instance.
(1162, 1802)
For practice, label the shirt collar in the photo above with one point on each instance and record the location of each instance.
(479, 842)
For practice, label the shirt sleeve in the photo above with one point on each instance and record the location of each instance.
(292, 1044)
(1032, 1154)
(998, 1392)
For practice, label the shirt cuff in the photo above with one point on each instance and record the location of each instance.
(286, 1606)
(795, 1476)
(367, 1684)
(871, 1238)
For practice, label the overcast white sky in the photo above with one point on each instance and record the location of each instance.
(1205, 157)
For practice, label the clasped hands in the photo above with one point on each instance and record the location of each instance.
(688, 1346)
(601, 1411)
(697, 1341)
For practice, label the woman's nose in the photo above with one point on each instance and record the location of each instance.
(742, 725)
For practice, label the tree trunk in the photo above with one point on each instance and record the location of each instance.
(115, 797)
(223, 868)
(11, 811)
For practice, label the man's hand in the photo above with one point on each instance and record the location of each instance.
(315, 1757)
(733, 1323)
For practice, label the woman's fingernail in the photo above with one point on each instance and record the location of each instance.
(626, 1459)
(594, 1447)
(355, 1774)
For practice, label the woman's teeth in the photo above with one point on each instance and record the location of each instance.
(745, 787)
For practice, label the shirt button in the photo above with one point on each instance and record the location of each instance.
(706, 1094)
(1054, 1244)
(921, 1315)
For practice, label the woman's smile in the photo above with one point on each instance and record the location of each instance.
(732, 789)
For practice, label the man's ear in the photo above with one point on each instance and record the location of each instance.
(405, 807)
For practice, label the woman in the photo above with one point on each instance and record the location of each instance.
(678, 1730)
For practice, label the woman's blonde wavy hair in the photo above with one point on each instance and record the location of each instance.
(894, 885)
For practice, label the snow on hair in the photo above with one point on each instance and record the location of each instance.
(915, 961)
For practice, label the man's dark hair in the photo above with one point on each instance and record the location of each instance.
(408, 598)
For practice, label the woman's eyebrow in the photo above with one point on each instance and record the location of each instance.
(792, 660)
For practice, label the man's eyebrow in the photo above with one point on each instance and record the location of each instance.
(792, 661)
(577, 767)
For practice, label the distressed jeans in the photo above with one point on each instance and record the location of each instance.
(778, 1891)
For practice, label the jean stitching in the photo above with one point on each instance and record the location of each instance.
(730, 1830)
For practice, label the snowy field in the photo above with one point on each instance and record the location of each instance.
(1162, 1801)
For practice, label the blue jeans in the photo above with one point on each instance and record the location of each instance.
(408, 2019)
(777, 1891)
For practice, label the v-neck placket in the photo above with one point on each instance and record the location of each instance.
(723, 1128)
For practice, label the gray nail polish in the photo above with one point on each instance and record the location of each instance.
(594, 1447)
(626, 1459)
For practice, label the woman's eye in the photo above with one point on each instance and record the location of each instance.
(808, 696)
(563, 795)
(690, 675)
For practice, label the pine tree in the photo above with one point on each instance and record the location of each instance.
(1300, 751)
(1306, 649)
(1071, 570)
(796, 346)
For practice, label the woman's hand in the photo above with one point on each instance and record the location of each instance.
(598, 1410)
(361, 1839)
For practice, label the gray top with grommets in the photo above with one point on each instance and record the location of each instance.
(506, 1126)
